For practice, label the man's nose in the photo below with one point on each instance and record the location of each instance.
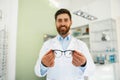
(63, 23)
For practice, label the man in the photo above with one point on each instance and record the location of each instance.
(64, 57)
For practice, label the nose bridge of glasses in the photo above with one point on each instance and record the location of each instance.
(71, 51)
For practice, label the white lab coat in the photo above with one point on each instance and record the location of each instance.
(63, 68)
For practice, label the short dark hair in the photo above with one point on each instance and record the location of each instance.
(62, 11)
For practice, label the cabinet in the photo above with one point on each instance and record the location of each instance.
(100, 36)
(82, 33)
(103, 41)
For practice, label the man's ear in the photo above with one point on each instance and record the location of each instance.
(71, 23)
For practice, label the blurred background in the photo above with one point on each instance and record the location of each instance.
(26, 24)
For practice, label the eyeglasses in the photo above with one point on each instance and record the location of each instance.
(66, 53)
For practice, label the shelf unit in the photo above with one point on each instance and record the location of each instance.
(83, 37)
(103, 41)
(3, 53)
(100, 37)
(82, 33)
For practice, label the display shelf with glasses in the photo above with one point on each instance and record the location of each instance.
(3, 52)
(82, 33)
(103, 41)
(100, 37)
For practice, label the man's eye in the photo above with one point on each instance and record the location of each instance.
(66, 20)
(60, 20)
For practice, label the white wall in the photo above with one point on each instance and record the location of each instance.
(10, 10)
(118, 34)
(98, 8)
(115, 5)
(115, 11)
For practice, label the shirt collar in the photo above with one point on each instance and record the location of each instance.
(59, 37)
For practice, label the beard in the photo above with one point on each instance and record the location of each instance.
(62, 30)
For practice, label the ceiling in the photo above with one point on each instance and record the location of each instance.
(72, 5)
(68, 3)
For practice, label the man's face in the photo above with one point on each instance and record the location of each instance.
(63, 24)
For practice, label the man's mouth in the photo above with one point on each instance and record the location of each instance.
(63, 27)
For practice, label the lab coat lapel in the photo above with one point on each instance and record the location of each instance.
(56, 44)
(72, 44)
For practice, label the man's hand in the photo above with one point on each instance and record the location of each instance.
(48, 59)
(78, 59)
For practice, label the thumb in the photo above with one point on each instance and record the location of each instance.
(78, 53)
(49, 52)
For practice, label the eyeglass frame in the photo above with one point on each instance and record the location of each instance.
(62, 51)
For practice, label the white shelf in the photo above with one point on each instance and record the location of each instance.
(93, 41)
(82, 37)
(105, 30)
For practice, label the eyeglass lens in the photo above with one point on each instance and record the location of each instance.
(59, 53)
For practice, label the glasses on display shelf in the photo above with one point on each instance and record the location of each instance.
(66, 53)
(3, 52)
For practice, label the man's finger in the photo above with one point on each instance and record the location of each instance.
(78, 53)
(49, 52)
(76, 59)
(52, 64)
(52, 58)
(76, 56)
(75, 63)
